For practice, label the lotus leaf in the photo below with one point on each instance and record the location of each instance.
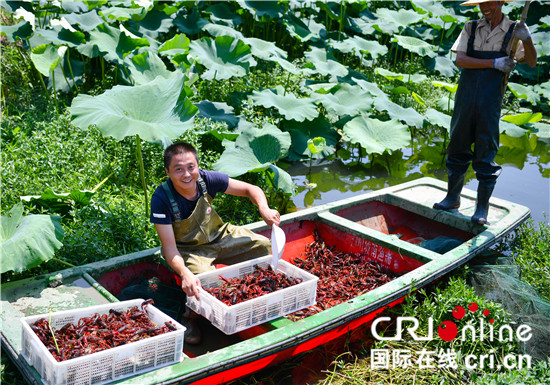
(395, 111)
(438, 118)
(441, 64)
(224, 57)
(60, 203)
(511, 129)
(377, 136)
(302, 31)
(540, 129)
(316, 145)
(524, 92)
(146, 66)
(301, 132)
(27, 241)
(324, 63)
(155, 111)
(179, 44)
(259, 9)
(286, 103)
(123, 14)
(47, 57)
(265, 49)
(218, 112)
(418, 99)
(191, 23)
(220, 12)
(521, 119)
(223, 30)
(407, 78)
(415, 45)
(364, 24)
(345, 99)
(86, 21)
(287, 66)
(448, 86)
(155, 24)
(358, 45)
(20, 31)
(257, 149)
(59, 35)
(401, 18)
(113, 43)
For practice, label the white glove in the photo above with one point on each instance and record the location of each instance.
(521, 31)
(504, 64)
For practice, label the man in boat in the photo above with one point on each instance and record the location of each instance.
(193, 236)
(483, 52)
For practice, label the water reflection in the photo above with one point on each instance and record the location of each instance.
(525, 178)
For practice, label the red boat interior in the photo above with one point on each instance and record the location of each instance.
(157, 281)
(404, 224)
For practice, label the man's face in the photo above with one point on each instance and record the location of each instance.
(184, 172)
(491, 10)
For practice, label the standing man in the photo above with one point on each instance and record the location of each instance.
(193, 236)
(483, 52)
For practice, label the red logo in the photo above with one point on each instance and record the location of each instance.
(448, 330)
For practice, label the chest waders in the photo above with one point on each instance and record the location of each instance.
(475, 122)
(204, 240)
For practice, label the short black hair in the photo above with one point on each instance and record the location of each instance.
(178, 148)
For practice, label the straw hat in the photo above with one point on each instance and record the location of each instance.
(477, 2)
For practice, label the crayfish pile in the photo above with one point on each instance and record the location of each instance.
(342, 276)
(261, 281)
(98, 332)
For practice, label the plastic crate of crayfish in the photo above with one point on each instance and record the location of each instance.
(252, 312)
(107, 365)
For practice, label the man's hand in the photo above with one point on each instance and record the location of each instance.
(504, 64)
(270, 216)
(190, 283)
(521, 31)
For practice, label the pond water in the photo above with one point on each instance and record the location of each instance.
(525, 177)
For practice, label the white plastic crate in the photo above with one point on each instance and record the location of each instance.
(232, 319)
(107, 365)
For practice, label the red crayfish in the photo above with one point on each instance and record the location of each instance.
(99, 332)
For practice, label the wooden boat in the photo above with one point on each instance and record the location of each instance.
(380, 223)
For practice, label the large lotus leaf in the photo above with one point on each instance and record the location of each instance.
(58, 35)
(441, 64)
(524, 118)
(46, 57)
(256, 149)
(324, 63)
(286, 103)
(218, 112)
(66, 76)
(155, 23)
(191, 23)
(540, 129)
(448, 86)
(301, 132)
(445, 103)
(27, 241)
(511, 129)
(123, 14)
(221, 13)
(154, 111)
(359, 46)
(281, 179)
(177, 45)
(420, 47)
(524, 92)
(372, 88)
(298, 29)
(541, 40)
(406, 78)
(19, 31)
(345, 99)
(401, 18)
(223, 30)
(286, 65)
(365, 25)
(260, 9)
(224, 57)
(113, 43)
(438, 119)
(60, 203)
(86, 21)
(377, 136)
(146, 66)
(265, 49)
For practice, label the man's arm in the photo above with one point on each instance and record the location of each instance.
(189, 282)
(257, 196)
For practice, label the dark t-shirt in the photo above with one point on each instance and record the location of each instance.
(161, 211)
